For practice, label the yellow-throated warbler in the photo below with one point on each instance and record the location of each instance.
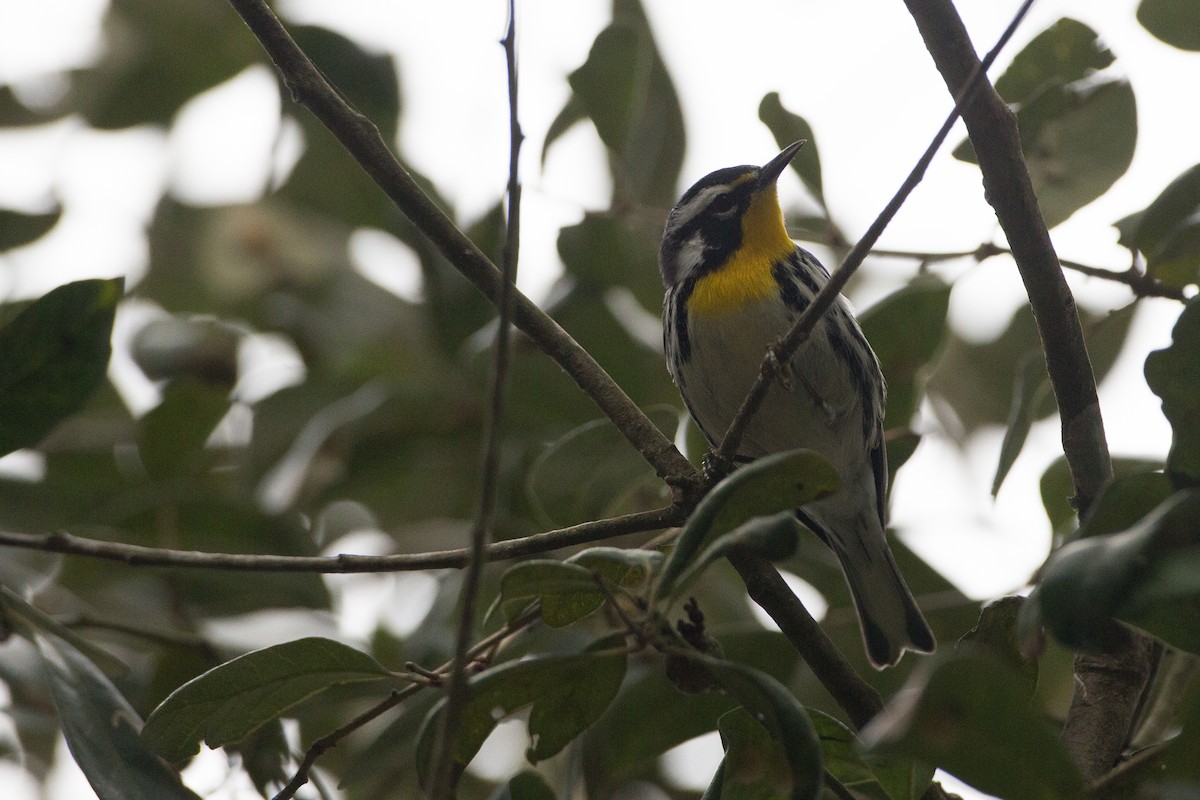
(735, 283)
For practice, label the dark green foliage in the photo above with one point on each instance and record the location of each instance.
(619, 652)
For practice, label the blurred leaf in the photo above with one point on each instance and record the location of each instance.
(567, 694)
(159, 55)
(1030, 386)
(525, 785)
(906, 330)
(606, 250)
(173, 433)
(996, 636)
(17, 610)
(203, 350)
(754, 765)
(18, 229)
(53, 355)
(368, 80)
(591, 472)
(571, 113)
(1124, 500)
(787, 127)
(228, 703)
(976, 379)
(900, 448)
(774, 708)
(101, 730)
(1168, 232)
(625, 90)
(778, 482)
(1176, 22)
(1057, 490)
(772, 537)
(1078, 130)
(971, 716)
(1173, 374)
(1148, 576)
(16, 114)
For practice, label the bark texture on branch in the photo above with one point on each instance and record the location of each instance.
(1108, 687)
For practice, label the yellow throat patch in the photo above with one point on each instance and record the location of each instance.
(746, 275)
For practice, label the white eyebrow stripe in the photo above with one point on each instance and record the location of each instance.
(700, 202)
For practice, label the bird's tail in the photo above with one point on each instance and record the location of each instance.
(890, 619)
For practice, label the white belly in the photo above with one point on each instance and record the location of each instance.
(816, 405)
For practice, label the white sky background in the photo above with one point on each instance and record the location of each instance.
(856, 70)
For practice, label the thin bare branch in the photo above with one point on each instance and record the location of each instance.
(443, 779)
(137, 555)
(1141, 284)
(323, 744)
(362, 140)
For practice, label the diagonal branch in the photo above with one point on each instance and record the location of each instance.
(362, 140)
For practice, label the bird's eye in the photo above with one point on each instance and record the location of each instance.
(723, 206)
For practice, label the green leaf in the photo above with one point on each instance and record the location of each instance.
(1030, 386)
(1148, 576)
(780, 713)
(101, 729)
(1176, 22)
(897, 779)
(772, 537)
(754, 766)
(971, 716)
(1078, 130)
(591, 472)
(53, 355)
(18, 229)
(1168, 232)
(540, 579)
(906, 330)
(228, 703)
(567, 694)
(996, 635)
(18, 612)
(172, 435)
(1174, 375)
(778, 482)
(1057, 489)
(787, 127)
(625, 90)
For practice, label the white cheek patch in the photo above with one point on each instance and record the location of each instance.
(690, 255)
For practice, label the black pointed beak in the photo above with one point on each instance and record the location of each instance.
(774, 168)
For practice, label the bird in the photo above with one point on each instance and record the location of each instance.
(735, 283)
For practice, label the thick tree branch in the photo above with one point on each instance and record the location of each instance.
(362, 140)
(766, 587)
(139, 556)
(1108, 689)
